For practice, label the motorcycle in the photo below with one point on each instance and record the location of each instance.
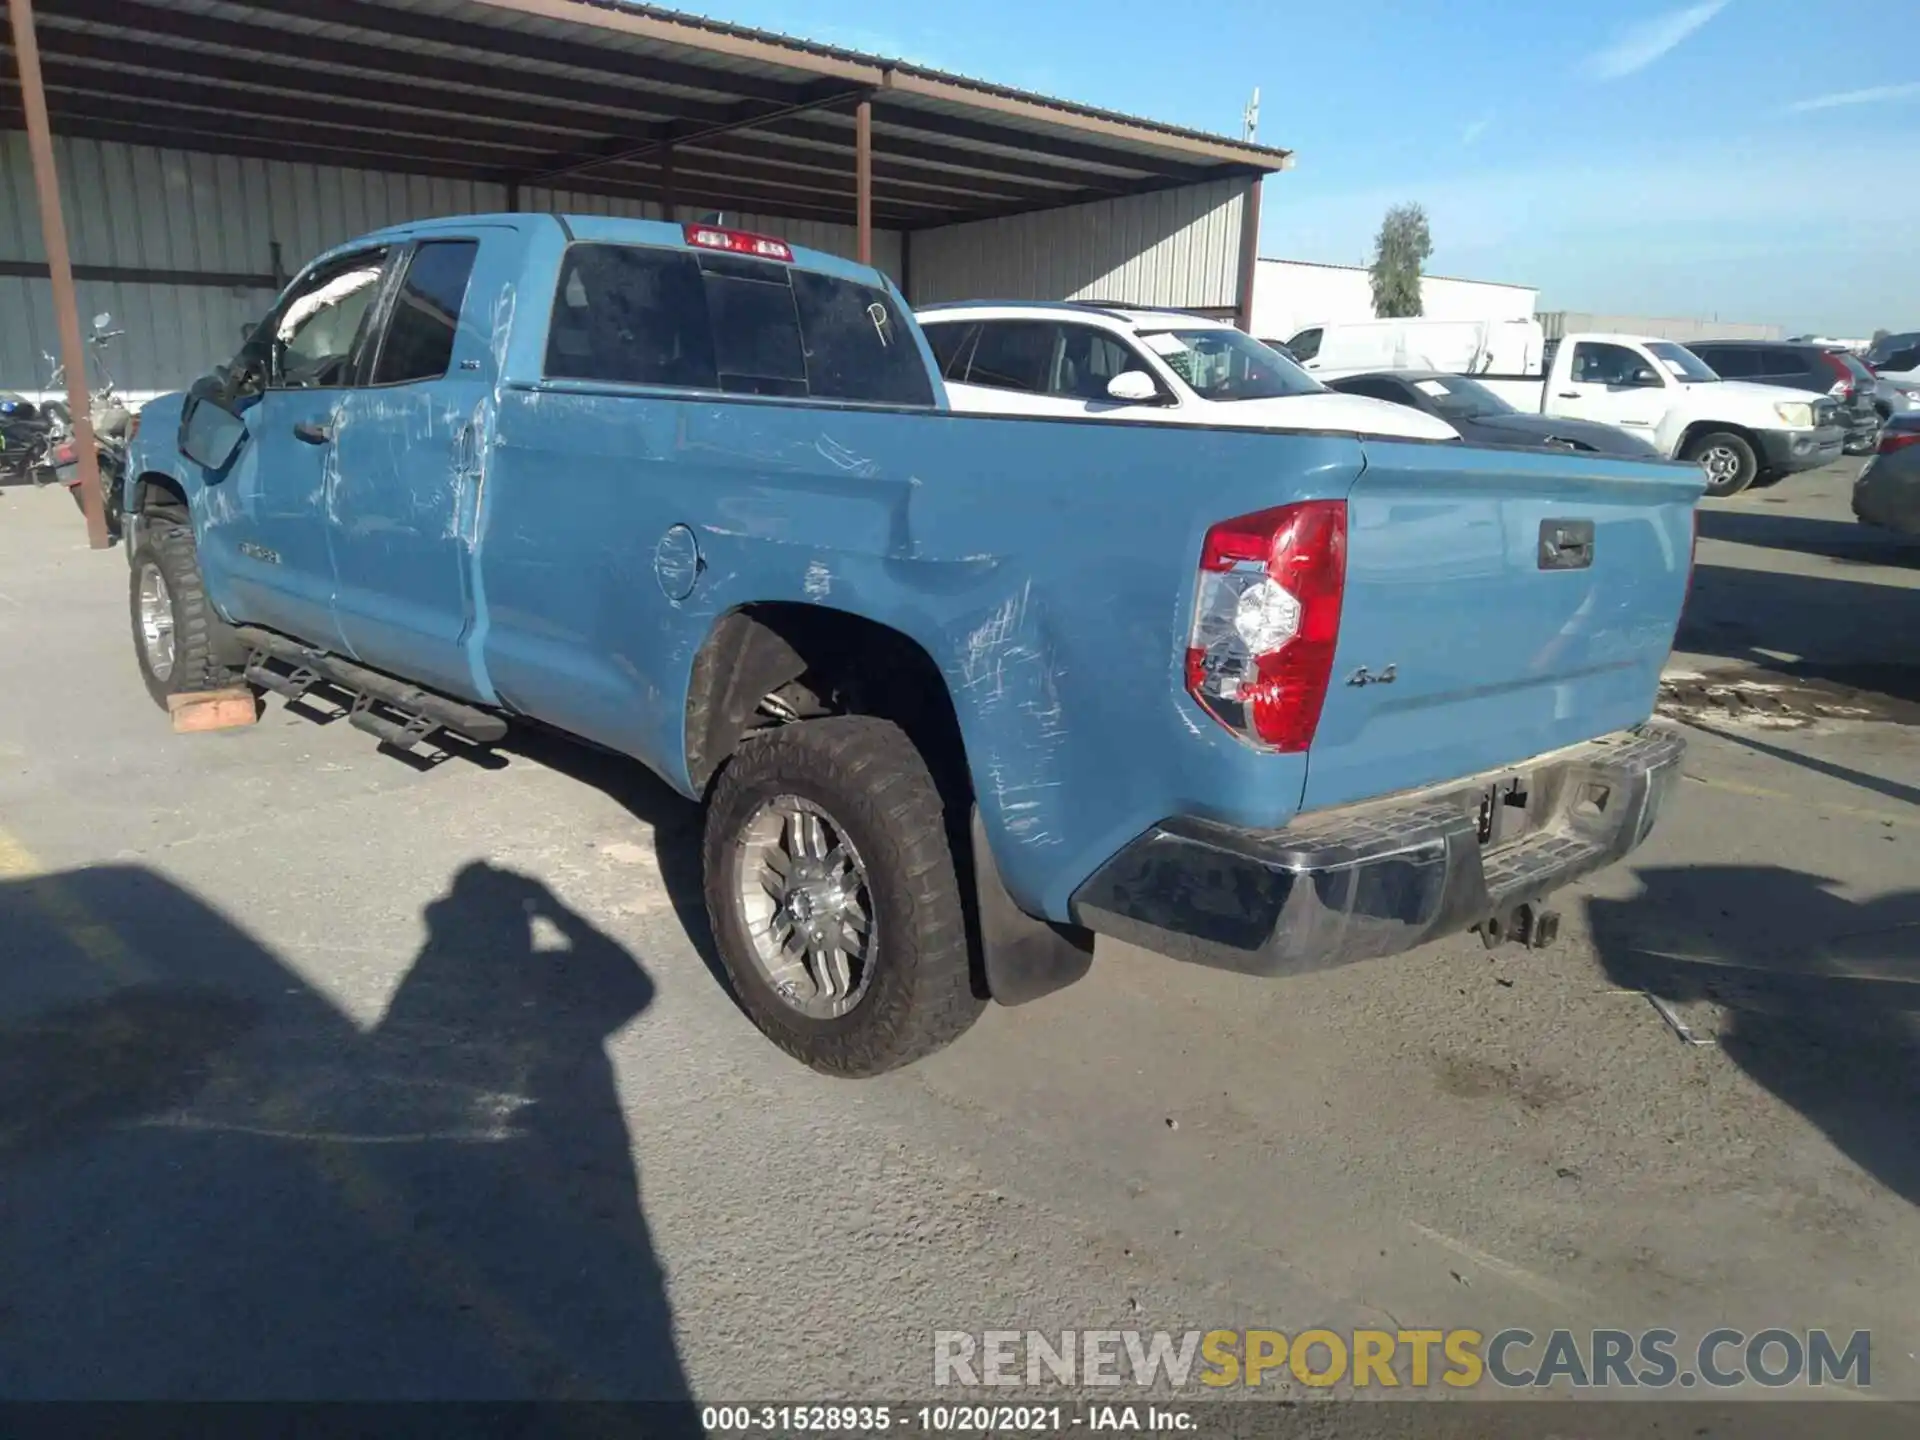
(114, 427)
(26, 434)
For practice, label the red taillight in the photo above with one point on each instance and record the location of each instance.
(1892, 440)
(1266, 619)
(1843, 383)
(65, 453)
(739, 242)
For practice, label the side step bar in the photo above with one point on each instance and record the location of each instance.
(417, 713)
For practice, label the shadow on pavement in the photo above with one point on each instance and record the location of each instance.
(1854, 633)
(217, 1186)
(1821, 993)
(1877, 784)
(1835, 539)
(675, 821)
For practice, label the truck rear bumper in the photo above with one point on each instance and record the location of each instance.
(1384, 876)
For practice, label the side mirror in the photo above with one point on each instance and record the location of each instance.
(1643, 379)
(1135, 387)
(210, 430)
(246, 330)
(102, 320)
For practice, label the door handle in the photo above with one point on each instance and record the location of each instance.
(313, 432)
(1568, 395)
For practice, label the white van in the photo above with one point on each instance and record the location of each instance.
(1458, 347)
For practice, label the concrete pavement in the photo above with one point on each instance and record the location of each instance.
(324, 1076)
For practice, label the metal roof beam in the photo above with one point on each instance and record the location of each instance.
(475, 83)
(307, 130)
(224, 141)
(932, 152)
(119, 58)
(230, 100)
(692, 168)
(491, 39)
(760, 146)
(959, 127)
(821, 95)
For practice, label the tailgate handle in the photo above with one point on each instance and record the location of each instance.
(1566, 544)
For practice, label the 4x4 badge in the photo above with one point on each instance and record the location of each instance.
(1364, 676)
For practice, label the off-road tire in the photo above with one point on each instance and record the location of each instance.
(197, 631)
(1749, 463)
(868, 776)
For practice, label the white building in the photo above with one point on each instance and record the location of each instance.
(1289, 295)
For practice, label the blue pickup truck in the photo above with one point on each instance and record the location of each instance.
(956, 692)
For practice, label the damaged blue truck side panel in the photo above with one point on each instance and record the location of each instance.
(563, 549)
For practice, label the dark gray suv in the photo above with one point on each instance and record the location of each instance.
(1800, 365)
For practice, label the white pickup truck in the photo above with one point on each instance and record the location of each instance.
(1663, 392)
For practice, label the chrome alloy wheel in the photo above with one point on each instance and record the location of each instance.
(156, 622)
(803, 898)
(1722, 464)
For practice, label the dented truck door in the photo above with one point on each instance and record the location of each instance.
(410, 442)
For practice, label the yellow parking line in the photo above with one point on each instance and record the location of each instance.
(96, 941)
(1760, 792)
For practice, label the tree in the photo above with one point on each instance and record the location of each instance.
(1401, 249)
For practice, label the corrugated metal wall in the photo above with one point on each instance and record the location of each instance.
(1560, 323)
(1177, 248)
(134, 206)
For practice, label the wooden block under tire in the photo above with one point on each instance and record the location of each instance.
(212, 710)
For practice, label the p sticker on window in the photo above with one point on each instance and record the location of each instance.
(1431, 387)
(1164, 343)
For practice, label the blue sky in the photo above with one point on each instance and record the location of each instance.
(1754, 159)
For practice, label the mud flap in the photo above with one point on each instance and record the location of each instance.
(1024, 958)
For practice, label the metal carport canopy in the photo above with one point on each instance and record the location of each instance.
(602, 97)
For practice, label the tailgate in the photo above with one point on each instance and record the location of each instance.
(1486, 635)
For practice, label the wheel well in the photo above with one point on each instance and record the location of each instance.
(767, 665)
(1715, 427)
(158, 494)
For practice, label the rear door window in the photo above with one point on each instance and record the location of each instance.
(1304, 346)
(1014, 355)
(1597, 363)
(1728, 364)
(1089, 359)
(653, 316)
(426, 313)
(949, 344)
(1779, 363)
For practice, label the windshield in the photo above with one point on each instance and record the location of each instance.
(1458, 398)
(1223, 364)
(1681, 362)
